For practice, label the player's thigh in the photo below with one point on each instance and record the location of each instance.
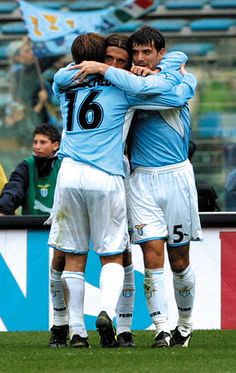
(181, 209)
(147, 216)
(70, 223)
(107, 215)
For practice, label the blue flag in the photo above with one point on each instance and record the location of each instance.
(46, 24)
(52, 31)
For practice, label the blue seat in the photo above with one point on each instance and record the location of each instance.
(50, 4)
(7, 7)
(183, 4)
(128, 27)
(89, 5)
(168, 25)
(193, 49)
(210, 125)
(14, 28)
(222, 4)
(4, 51)
(210, 24)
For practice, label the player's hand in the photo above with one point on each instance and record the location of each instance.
(86, 68)
(183, 70)
(141, 71)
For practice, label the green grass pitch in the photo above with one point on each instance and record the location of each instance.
(209, 351)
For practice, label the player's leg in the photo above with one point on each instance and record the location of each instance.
(150, 231)
(183, 226)
(154, 288)
(184, 290)
(111, 283)
(59, 330)
(125, 305)
(70, 233)
(74, 288)
(109, 233)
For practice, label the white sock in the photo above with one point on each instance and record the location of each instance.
(184, 287)
(73, 283)
(125, 305)
(57, 297)
(154, 288)
(111, 284)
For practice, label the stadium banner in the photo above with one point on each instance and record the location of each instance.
(24, 282)
(45, 24)
(52, 31)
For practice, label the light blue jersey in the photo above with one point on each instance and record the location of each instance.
(173, 60)
(96, 112)
(160, 138)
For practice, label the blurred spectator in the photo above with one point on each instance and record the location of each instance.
(207, 197)
(32, 183)
(230, 191)
(48, 76)
(3, 178)
(27, 89)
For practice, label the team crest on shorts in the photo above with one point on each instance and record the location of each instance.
(127, 293)
(139, 228)
(44, 190)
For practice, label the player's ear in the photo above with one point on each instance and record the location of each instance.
(162, 52)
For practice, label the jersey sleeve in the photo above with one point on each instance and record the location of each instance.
(177, 97)
(64, 77)
(173, 60)
(149, 85)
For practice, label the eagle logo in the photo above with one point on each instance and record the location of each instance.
(139, 228)
(44, 190)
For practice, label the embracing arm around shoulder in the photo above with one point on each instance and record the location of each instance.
(176, 97)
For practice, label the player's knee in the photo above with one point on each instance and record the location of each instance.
(185, 280)
(58, 261)
(179, 265)
(179, 259)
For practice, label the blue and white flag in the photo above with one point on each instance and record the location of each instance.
(52, 31)
(44, 24)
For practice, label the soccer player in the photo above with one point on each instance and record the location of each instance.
(163, 197)
(31, 185)
(166, 213)
(90, 184)
(117, 55)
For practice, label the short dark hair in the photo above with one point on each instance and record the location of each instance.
(89, 46)
(48, 130)
(147, 35)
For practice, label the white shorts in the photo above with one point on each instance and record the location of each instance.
(89, 204)
(163, 204)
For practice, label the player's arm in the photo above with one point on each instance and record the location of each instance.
(176, 97)
(152, 84)
(173, 61)
(64, 77)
